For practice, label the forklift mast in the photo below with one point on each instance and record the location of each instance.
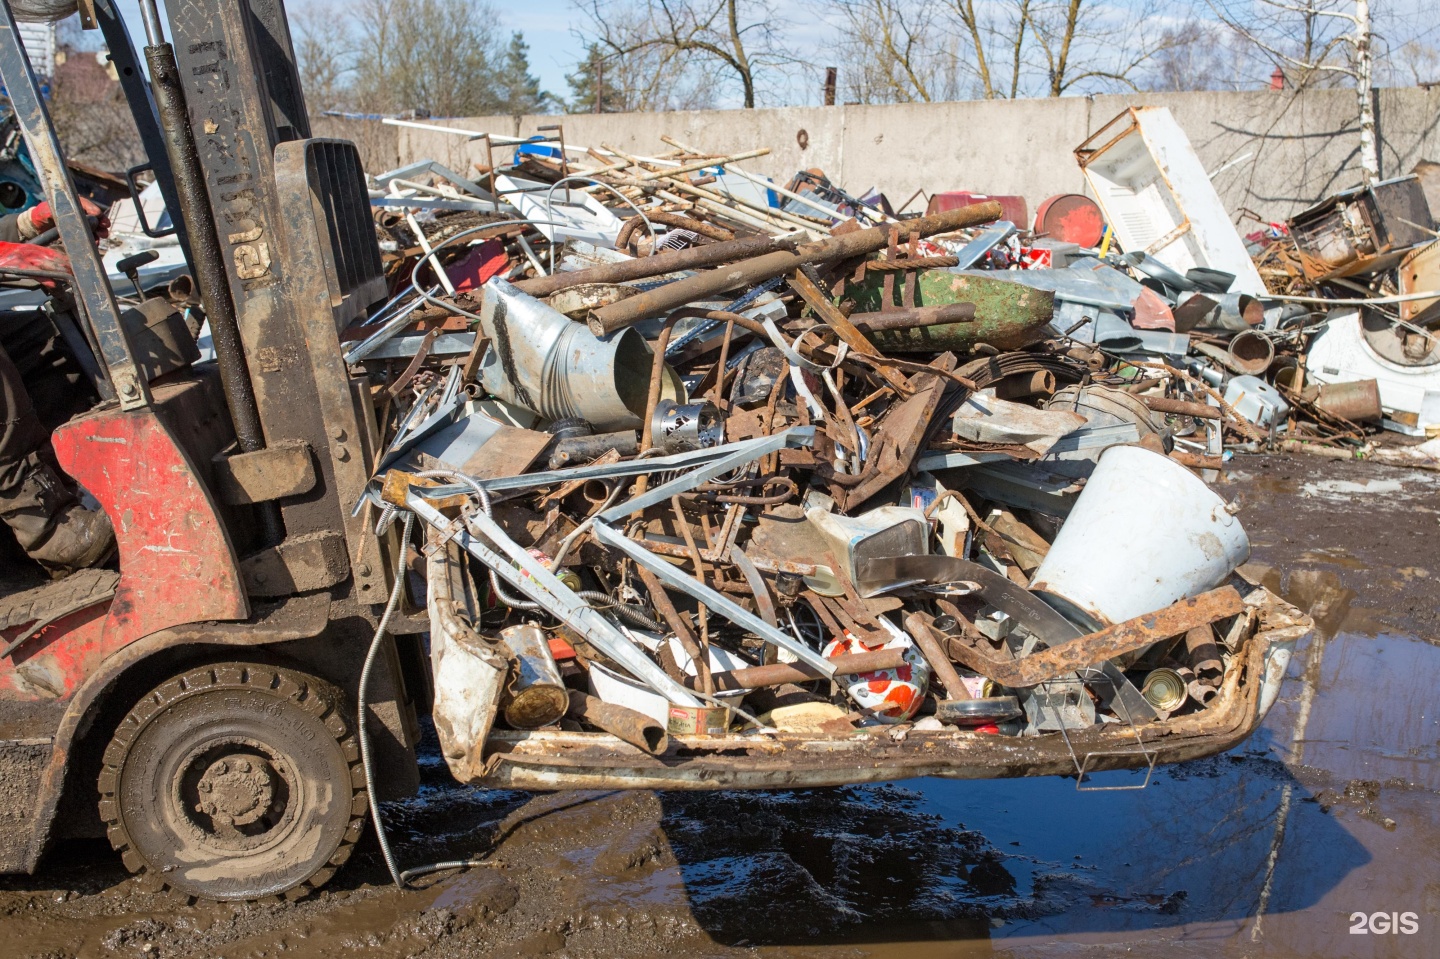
(293, 221)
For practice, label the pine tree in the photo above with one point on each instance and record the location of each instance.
(588, 82)
(517, 89)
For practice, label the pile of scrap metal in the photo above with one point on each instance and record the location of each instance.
(1361, 270)
(776, 488)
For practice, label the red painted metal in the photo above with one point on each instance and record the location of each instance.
(1071, 218)
(1012, 208)
(176, 562)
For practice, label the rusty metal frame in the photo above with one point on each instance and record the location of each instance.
(1106, 644)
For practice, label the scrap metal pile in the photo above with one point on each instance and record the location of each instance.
(734, 458)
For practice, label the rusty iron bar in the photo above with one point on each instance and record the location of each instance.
(1164, 404)
(915, 316)
(623, 723)
(679, 626)
(837, 321)
(644, 267)
(778, 674)
(1197, 461)
(757, 269)
(1086, 651)
(917, 624)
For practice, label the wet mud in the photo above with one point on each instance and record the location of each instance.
(1330, 811)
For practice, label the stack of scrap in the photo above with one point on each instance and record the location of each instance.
(701, 455)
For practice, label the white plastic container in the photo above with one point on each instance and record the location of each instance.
(1144, 533)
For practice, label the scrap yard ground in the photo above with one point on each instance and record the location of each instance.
(1286, 846)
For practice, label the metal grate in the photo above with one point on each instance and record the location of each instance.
(342, 205)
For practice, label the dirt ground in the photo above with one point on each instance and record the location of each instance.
(1331, 810)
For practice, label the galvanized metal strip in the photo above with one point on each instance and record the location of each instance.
(738, 454)
(713, 599)
(539, 584)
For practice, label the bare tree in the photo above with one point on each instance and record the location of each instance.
(1089, 46)
(899, 50)
(1316, 40)
(1202, 55)
(323, 47)
(623, 74)
(740, 38)
(437, 56)
(892, 51)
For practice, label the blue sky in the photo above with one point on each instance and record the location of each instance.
(554, 51)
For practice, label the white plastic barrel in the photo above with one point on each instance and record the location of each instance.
(1143, 533)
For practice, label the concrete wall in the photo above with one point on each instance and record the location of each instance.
(1299, 147)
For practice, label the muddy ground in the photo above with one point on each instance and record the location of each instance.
(1331, 810)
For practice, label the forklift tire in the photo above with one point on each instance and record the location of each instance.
(235, 781)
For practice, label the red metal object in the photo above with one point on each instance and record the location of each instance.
(1012, 208)
(482, 263)
(1071, 218)
(176, 563)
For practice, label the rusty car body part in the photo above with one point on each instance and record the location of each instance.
(1108, 643)
(1263, 639)
(779, 674)
(524, 573)
(469, 671)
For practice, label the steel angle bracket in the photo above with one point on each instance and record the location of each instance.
(713, 599)
(1082, 766)
(737, 455)
(539, 584)
(796, 436)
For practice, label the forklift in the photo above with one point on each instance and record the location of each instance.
(198, 706)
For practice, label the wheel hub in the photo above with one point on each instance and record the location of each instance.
(236, 790)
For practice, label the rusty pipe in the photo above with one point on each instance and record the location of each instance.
(623, 723)
(918, 627)
(778, 674)
(913, 317)
(617, 316)
(1025, 385)
(1164, 404)
(1252, 352)
(640, 268)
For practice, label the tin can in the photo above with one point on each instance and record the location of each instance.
(698, 720)
(1165, 689)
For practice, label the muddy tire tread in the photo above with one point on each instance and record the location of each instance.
(315, 696)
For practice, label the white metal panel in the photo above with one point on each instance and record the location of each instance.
(1156, 195)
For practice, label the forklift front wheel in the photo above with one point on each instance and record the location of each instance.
(235, 781)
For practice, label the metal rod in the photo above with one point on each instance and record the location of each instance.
(150, 14)
(640, 268)
(608, 319)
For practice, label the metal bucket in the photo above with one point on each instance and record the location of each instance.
(1144, 533)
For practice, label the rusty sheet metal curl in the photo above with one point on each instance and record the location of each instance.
(1105, 645)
